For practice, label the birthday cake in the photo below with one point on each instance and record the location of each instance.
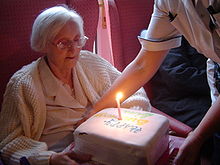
(140, 138)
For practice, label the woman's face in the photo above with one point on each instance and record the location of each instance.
(65, 57)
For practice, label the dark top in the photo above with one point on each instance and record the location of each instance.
(180, 86)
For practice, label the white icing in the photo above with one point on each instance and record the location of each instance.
(139, 138)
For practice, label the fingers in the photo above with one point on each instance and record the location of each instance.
(188, 154)
(79, 157)
(61, 159)
(85, 117)
(69, 148)
(179, 158)
(185, 160)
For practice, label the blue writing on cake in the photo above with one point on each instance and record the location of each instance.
(115, 123)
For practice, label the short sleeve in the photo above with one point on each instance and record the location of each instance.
(212, 80)
(161, 34)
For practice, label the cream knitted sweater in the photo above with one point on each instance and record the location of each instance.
(23, 113)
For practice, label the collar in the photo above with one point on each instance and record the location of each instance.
(50, 83)
(55, 89)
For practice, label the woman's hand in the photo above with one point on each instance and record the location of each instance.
(189, 152)
(85, 116)
(68, 158)
(80, 122)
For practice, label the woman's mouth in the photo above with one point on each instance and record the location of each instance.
(71, 58)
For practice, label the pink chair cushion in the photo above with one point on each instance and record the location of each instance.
(127, 19)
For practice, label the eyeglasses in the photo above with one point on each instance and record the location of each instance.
(79, 43)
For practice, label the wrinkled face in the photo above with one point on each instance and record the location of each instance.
(66, 56)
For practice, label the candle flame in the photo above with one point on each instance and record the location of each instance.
(119, 95)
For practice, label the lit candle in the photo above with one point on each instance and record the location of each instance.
(118, 97)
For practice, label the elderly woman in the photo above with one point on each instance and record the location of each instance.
(45, 100)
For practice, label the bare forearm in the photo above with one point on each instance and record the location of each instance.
(134, 76)
(210, 122)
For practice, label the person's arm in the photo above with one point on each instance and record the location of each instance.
(135, 75)
(189, 151)
(210, 122)
(155, 45)
(137, 101)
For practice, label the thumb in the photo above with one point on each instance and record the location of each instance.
(79, 157)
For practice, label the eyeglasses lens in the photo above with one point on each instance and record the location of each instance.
(68, 44)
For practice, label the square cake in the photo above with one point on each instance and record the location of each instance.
(140, 138)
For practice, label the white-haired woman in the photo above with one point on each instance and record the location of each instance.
(45, 100)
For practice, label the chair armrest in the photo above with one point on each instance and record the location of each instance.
(178, 128)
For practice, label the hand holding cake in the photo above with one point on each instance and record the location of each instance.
(69, 157)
